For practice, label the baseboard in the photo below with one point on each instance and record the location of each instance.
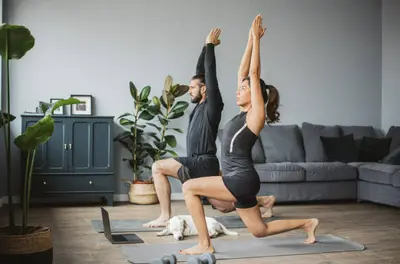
(124, 197)
(117, 198)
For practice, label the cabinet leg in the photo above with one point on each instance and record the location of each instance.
(110, 199)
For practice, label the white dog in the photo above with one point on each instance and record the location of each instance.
(181, 226)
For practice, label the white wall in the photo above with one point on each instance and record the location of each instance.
(324, 56)
(390, 63)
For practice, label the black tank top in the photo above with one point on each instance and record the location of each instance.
(236, 146)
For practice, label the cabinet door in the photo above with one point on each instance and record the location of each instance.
(90, 149)
(51, 156)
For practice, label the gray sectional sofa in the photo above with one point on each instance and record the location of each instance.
(321, 163)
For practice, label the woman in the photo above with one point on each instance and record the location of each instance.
(241, 182)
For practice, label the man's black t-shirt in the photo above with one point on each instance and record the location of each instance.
(206, 116)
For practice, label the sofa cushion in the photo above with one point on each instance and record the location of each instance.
(282, 143)
(358, 163)
(280, 172)
(373, 149)
(257, 152)
(342, 149)
(378, 173)
(396, 179)
(313, 147)
(329, 171)
(393, 158)
(394, 134)
(358, 131)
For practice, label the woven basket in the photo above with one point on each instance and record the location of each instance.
(142, 193)
(32, 247)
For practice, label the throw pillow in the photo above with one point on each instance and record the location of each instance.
(393, 158)
(373, 149)
(342, 149)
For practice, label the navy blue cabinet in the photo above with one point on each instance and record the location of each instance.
(77, 160)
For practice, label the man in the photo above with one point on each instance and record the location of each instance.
(201, 159)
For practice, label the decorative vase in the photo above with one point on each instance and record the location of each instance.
(35, 247)
(142, 192)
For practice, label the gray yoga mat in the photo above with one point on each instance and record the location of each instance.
(132, 225)
(243, 248)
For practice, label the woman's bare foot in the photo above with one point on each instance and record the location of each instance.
(310, 228)
(267, 203)
(197, 250)
(159, 222)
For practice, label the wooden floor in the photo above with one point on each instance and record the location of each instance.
(375, 226)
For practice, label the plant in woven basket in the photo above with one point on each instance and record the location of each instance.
(133, 138)
(167, 109)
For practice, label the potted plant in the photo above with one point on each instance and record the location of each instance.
(25, 243)
(166, 108)
(134, 139)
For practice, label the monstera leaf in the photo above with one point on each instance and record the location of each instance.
(36, 134)
(15, 40)
(62, 102)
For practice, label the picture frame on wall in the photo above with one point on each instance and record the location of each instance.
(60, 110)
(82, 109)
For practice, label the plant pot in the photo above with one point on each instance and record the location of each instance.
(142, 192)
(36, 247)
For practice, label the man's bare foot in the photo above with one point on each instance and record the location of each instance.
(197, 250)
(310, 228)
(267, 202)
(159, 222)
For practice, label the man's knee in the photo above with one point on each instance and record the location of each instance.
(166, 167)
(222, 206)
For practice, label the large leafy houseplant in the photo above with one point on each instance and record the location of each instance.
(15, 42)
(166, 108)
(133, 137)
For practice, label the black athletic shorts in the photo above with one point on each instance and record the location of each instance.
(197, 166)
(244, 185)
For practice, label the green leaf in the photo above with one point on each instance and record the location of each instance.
(36, 134)
(123, 135)
(163, 121)
(179, 106)
(133, 90)
(156, 102)
(124, 115)
(62, 102)
(144, 94)
(7, 118)
(163, 102)
(171, 140)
(126, 122)
(145, 115)
(173, 153)
(153, 109)
(168, 83)
(18, 39)
(180, 90)
(168, 98)
(175, 115)
(154, 125)
(160, 145)
(177, 130)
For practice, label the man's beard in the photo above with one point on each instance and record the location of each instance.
(196, 99)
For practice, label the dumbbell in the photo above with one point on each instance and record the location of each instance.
(206, 258)
(166, 259)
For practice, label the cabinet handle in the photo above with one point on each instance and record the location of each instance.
(65, 146)
(90, 182)
(70, 146)
(44, 183)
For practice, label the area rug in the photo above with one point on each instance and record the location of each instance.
(135, 225)
(243, 248)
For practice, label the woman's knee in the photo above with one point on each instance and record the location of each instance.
(258, 231)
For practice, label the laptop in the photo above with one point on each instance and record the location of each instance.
(117, 238)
